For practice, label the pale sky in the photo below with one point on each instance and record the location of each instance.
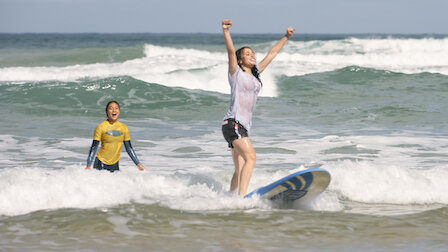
(205, 16)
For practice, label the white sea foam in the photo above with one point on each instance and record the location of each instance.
(392, 184)
(24, 190)
(399, 55)
(201, 69)
(396, 169)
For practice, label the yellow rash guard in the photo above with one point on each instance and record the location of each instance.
(111, 136)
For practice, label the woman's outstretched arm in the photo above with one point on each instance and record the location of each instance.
(226, 24)
(275, 50)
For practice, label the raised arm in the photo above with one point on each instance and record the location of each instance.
(275, 50)
(233, 64)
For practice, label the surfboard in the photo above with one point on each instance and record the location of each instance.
(303, 185)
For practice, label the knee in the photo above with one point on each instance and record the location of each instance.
(251, 157)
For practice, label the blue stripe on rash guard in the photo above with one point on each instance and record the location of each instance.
(131, 152)
(92, 152)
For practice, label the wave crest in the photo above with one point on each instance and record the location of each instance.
(207, 70)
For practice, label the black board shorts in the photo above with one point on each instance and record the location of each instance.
(100, 166)
(232, 130)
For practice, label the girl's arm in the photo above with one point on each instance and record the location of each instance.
(275, 50)
(133, 155)
(233, 64)
(92, 153)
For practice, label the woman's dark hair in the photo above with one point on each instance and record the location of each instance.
(110, 103)
(254, 68)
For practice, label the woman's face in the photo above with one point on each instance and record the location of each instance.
(248, 58)
(113, 111)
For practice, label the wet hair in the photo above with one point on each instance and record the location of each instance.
(254, 69)
(110, 103)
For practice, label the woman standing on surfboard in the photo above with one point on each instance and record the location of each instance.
(111, 133)
(245, 84)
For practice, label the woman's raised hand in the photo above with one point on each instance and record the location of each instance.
(289, 32)
(226, 24)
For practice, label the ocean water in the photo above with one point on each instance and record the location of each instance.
(372, 110)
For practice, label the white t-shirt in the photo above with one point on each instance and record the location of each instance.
(244, 89)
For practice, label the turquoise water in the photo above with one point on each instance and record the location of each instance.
(369, 109)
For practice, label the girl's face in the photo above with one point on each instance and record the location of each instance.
(113, 111)
(248, 58)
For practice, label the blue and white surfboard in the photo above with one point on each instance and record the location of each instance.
(303, 185)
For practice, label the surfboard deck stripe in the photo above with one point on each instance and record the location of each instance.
(308, 183)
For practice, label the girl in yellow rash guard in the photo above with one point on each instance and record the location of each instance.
(111, 133)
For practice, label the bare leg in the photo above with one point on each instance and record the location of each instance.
(239, 163)
(245, 157)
